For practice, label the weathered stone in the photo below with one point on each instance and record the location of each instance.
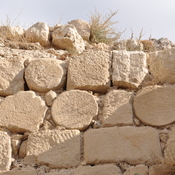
(22, 149)
(66, 37)
(135, 145)
(74, 109)
(56, 148)
(107, 169)
(90, 71)
(50, 97)
(12, 31)
(155, 105)
(43, 75)
(11, 75)
(5, 151)
(39, 32)
(22, 112)
(162, 66)
(133, 45)
(162, 43)
(117, 108)
(129, 68)
(137, 170)
(82, 27)
(15, 142)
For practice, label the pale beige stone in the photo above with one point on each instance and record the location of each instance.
(11, 75)
(5, 151)
(137, 170)
(15, 143)
(43, 75)
(108, 169)
(155, 105)
(82, 27)
(22, 112)
(50, 97)
(66, 37)
(39, 32)
(12, 31)
(117, 108)
(90, 71)
(135, 145)
(74, 109)
(129, 68)
(56, 148)
(22, 149)
(162, 66)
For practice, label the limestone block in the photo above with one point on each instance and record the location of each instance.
(39, 32)
(11, 75)
(56, 148)
(137, 170)
(162, 66)
(22, 149)
(117, 108)
(50, 97)
(74, 109)
(90, 71)
(22, 112)
(134, 145)
(5, 151)
(82, 27)
(66, 37)
(43, 75)
(107, 169)
(129, 68)
(155, 105)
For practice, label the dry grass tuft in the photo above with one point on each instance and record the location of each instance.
(148, 46)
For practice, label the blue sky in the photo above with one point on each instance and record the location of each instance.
(156, 17)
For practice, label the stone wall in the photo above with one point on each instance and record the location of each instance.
(102, 112)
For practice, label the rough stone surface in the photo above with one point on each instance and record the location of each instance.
(56, 148)
(117, 108)
(43, 75)
(74, 109)
(5, 151)
(162, 66)
(130, 144)
(108, 169)
(22, 112)
(155, 105)
(82, 27)
(39, 32)
(90, 71)
(137, 170)
(11, 75)
(67, 37)
(129, 68)
(50, 97)
(22, 149)
(15, 31)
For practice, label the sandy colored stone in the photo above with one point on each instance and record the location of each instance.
(82, 27)
(22, 149)
(11, 75)
(5, 151)
(155, 105)
(90, 71)
(56, 148)
(74, 109)
(162, 66)
(137, 170)
(134, 145)
(108, 169)
(66, 37)
(43, 75)
(22, 112)
(117, 108)
(50, 97)
(129, 68)
(39, 32)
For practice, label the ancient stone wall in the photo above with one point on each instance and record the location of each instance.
(99, 113)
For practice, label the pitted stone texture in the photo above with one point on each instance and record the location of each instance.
(11, 75)
(129, 144)
(56, 148)
(117, 108)
(137, 170)
(22, 112)
(39, 32)
(74, 109)
(5, 151)
(82, 27)
(50, 97)
(155, 105)
(162, 66)
(90, 71)
(67, 37)
(129, 68)
(108, 169)
(43, 75)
